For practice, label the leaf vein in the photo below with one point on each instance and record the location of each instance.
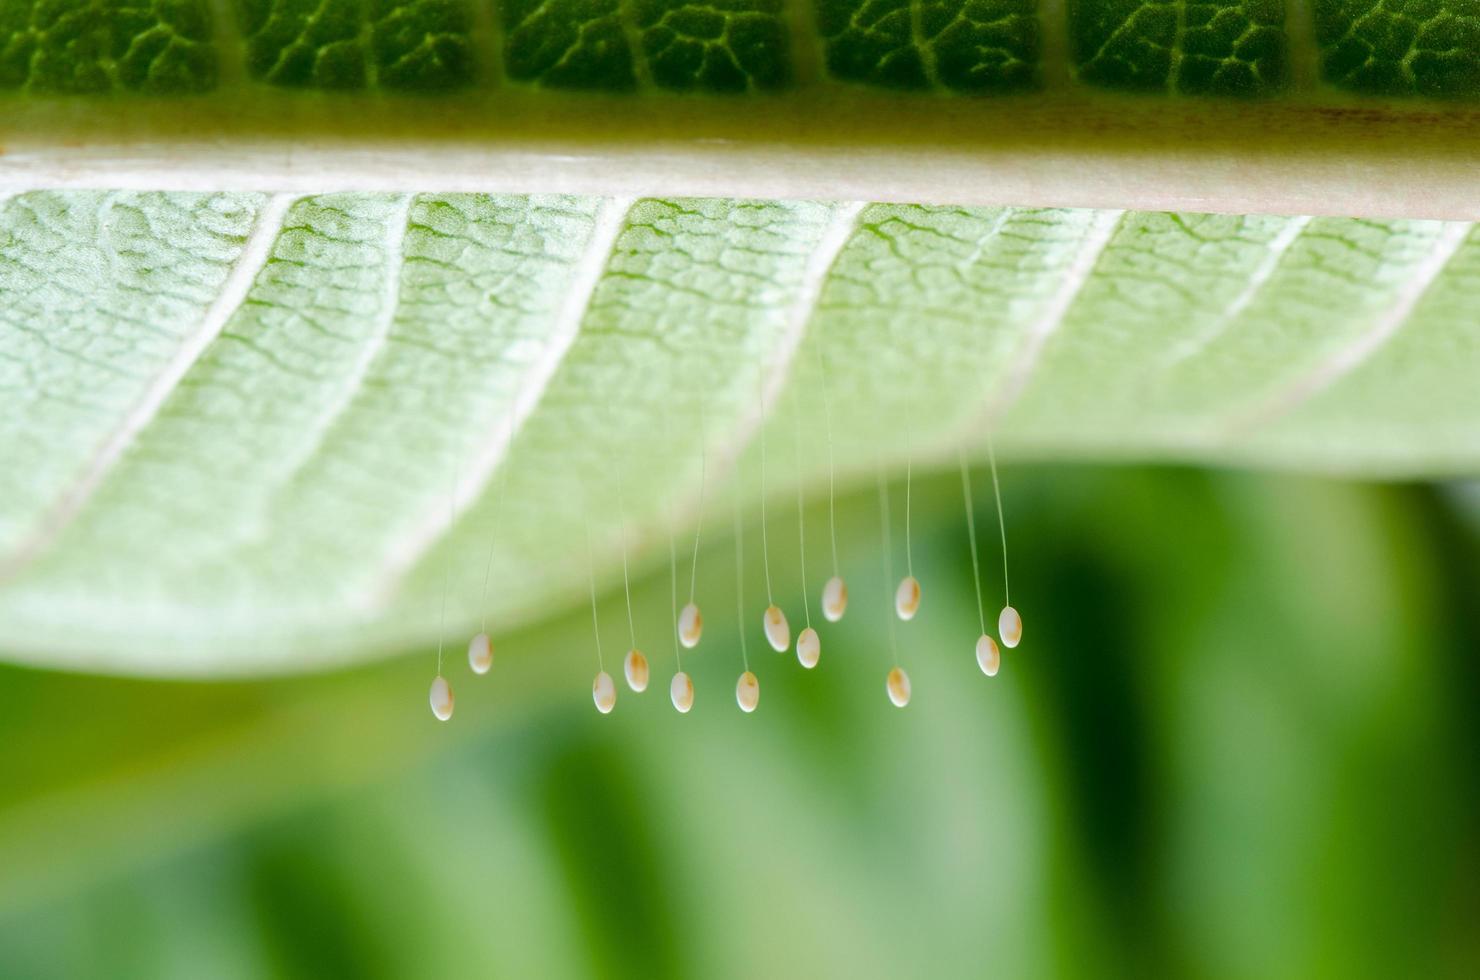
(1350, 356)
(479, 468)
(253, 258)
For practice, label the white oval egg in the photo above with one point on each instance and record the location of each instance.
(748, 692)
(682, 692)
(690, 626)
(778, 631)
(907, 598)
(441, 698)
(635, 666)
(1010, 627)
(604, 693)
(988, 657)
(834, 599)
(898, 686)
(480, 654)
(809, 648)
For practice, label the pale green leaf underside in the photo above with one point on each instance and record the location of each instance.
(236, 425)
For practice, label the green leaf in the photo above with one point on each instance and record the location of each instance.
(346, 44)
(1235, 48)
(973, 47)
(1238, 106)
(156, 46)
(1181, 45)
(238, 426)
(252, 426)
(1411, 47)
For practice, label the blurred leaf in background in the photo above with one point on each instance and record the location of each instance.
(1238, 740)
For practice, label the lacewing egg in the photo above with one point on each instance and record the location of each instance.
(988, 657)
(907, 598)
(635, 666)
(441, 698)
(604, 693)
(1010, 627)
(682, 692)
(834, 599)
(778, 633)
(480, 654)
(809, 648)
(748, 692)
(898, 686)
(690, 625)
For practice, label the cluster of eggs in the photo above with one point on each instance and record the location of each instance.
(778, 634)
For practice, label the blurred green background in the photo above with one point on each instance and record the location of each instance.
(1239, 739)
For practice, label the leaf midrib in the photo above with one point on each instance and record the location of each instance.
(1103, 151)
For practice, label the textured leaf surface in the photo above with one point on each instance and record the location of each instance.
(1204, 47)
(1181, 45)
(77, 46)
(1408, 47)
(253, 433)
(976, 47)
